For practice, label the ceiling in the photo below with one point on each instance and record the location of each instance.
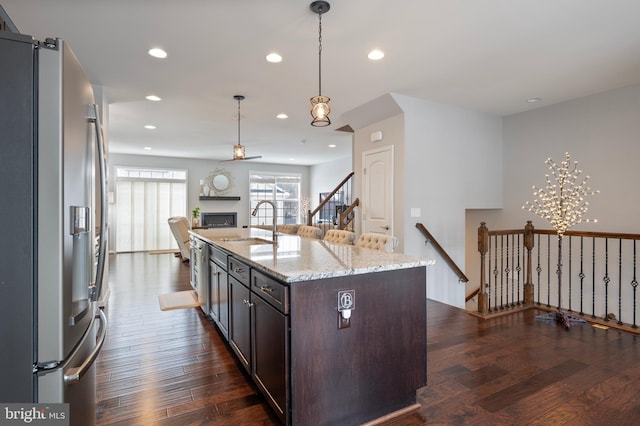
(488, 55)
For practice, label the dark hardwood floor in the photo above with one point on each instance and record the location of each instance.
(173, 368)
(167, 367)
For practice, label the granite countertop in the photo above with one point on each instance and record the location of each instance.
(296, 259)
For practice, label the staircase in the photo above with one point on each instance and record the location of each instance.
(336, 208)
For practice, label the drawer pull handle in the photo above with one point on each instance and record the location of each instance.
(238, 270)
(266, 289)
(246, 302)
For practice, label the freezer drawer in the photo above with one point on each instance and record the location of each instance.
(74, 381)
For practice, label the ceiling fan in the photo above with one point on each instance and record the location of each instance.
(238, 150)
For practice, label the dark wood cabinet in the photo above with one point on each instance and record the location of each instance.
(214, 284)
(240, 321)
(219, 293)
(223, 298)
(310, 368)
(270, 342)
(259, 331)
(239, 270)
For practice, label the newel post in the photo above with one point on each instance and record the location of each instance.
(528, 244)
(483, 248)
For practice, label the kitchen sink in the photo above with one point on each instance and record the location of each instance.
(246, 241)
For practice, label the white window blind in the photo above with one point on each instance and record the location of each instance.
(145, 199)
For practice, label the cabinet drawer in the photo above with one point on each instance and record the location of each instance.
(218, 256)
(239, 270)
(274, 292)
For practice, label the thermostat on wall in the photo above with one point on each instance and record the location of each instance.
(376, 136)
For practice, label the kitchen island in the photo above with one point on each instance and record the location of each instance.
(331, 334)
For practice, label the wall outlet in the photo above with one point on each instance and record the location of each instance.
(343, 322)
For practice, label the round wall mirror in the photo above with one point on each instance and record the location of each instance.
(220, 182)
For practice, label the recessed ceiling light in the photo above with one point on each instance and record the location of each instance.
(375, 55)
(149, 126)
(148, 148)
(332, 145)
(157, 53)
(282, 116)
(154, 98)
(292, 159)
(533, 100)
(274, 58)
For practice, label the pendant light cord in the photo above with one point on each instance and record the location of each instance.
(319, 54)
(239, 121)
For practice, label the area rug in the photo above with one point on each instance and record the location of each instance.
(178, 300)
(163, 251)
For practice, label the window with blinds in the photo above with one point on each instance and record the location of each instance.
(284, 189)
(145, 200)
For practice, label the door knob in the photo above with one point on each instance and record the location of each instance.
(385, 227)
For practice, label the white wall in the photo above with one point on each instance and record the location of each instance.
(447, 159)
(453, 161)
(200, 169)
(601, 132)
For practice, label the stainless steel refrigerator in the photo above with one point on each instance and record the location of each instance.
(52, 227)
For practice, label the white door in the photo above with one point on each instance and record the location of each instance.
(377, 190)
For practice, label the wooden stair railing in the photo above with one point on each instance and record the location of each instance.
(461, 276)
(345, 217)
(600, 271)
(483, 249)
(471, 295)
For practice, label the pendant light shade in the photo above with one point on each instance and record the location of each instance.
(320, 111)
(238, 150)
(320, 104)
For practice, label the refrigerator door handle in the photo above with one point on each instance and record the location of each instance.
(74, 375)
(94, 117)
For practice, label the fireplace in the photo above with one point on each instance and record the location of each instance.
(219, 220)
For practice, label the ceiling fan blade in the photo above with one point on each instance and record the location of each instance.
(242, 159)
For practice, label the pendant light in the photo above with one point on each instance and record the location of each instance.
(320, 104)
(238, 149)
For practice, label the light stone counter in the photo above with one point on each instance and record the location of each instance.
(296, 259)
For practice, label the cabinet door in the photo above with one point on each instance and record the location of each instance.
(240, 322)
(223, 299)
(193, 263)
(270, 355)
(214, 292)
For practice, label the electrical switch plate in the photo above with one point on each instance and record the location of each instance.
(415, 212)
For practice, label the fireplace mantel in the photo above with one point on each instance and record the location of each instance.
(221, 198)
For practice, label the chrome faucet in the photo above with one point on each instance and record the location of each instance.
(275, 217)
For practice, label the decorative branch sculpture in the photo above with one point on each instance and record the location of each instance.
(562, 202)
